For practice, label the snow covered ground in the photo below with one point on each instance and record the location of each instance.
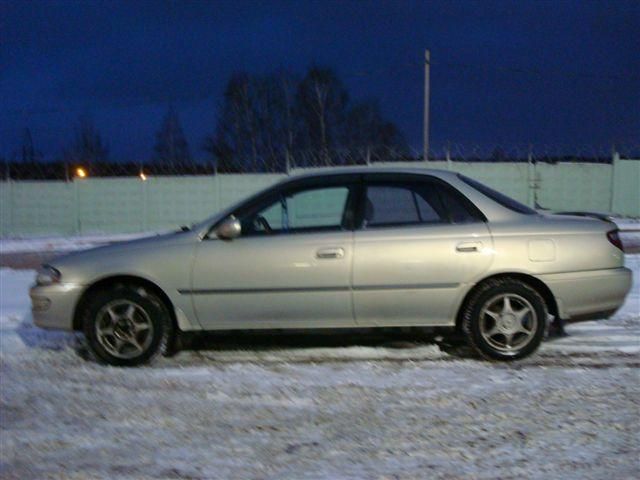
(627, 223)
(315, 412)
(64, 244)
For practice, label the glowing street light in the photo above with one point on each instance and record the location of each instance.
(143, 177)
(81, 172)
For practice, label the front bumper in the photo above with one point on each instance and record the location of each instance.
(53, 306)
(589, 294)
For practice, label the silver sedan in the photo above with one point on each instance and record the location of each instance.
(347, 248)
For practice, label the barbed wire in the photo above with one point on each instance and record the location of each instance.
(17, 169)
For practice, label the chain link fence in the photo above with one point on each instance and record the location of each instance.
(139, 199)
(288, 161)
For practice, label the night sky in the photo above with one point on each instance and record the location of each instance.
(562, 75)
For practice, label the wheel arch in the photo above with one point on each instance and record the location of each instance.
(115, 280)
(535, 283)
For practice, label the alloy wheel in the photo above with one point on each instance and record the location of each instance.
(124, 329)
(508, 322)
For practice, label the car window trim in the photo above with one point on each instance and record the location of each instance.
(395, 225)
(415, 205)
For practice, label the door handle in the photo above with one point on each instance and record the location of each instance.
(333, 252)
(469, 247)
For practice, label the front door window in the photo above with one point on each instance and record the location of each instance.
(312, 210)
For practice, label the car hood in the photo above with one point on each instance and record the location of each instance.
(133, 248)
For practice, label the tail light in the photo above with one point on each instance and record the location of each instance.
(614, 239)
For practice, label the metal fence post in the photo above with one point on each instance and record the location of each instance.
(615, 158)
(145, 210)
(7, 177)
(76, 208)
(11, 202)
(218, 192)
(531, 179)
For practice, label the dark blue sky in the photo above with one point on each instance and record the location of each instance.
(562, 75)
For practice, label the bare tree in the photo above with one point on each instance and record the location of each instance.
(171, 149)
(265, 121)
(88, 147)
(366, 128)
(255, 126)
(233, 143)
(287, 87)
(321, 103)
(28, 153)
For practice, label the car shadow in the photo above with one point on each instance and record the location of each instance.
(33, 337)
(381, 342)
(324, 338)
(265, 341)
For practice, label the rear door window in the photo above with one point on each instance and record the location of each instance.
(390, 205)
(415, 203)
(397, 205)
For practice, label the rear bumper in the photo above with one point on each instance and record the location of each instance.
(590, 294)
(53, 306)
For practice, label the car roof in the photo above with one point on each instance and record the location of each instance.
(364, 169)
(491, 209)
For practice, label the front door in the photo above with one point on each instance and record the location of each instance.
(419, 246)
(290, 267)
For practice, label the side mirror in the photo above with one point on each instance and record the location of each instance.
(229, 229)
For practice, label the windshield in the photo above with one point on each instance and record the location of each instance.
(496, 196)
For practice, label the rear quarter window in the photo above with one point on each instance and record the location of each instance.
(498, 197)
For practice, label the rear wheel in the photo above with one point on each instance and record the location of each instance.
(126, 326)
(505, 319)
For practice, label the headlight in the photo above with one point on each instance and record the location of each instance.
(47, 275)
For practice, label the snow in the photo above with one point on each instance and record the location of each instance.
(355, 411)
(64, 244)
(627, 223)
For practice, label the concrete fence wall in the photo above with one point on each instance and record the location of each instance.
(123, 205)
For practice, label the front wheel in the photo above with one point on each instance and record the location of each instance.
(505, 320)
(126, 326)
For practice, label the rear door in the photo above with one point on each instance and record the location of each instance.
(419, 244)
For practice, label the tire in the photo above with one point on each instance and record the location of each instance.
(505, 320)
(126, 326)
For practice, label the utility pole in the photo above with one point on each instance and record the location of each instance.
(427, 79)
